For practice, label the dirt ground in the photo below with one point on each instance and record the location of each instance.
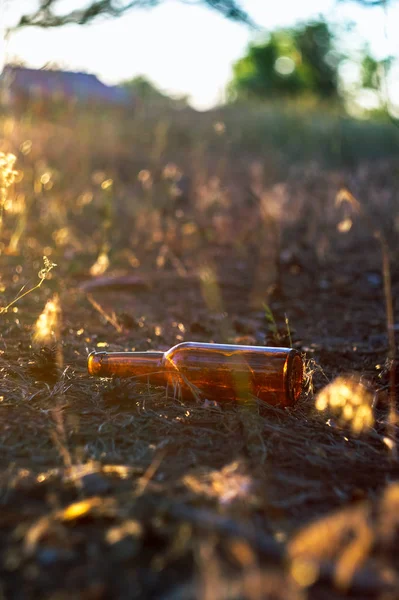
(110, 489)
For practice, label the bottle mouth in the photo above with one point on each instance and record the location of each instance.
(96, 363)
(294, 380)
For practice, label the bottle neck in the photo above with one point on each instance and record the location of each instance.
(145, 366)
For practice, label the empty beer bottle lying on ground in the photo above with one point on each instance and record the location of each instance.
(212, 371)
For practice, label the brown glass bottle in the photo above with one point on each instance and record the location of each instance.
(214, 371)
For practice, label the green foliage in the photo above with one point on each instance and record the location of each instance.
(370, 75)
(292, 62)
(148, 94)
(372, 70)
(271, 322)
(142, 86)
(318, 59)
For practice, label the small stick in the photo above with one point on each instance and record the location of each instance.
(109, 318)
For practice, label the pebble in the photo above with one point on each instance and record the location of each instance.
(94, 484)
(374, 279)
(50, 556)
(125, 549)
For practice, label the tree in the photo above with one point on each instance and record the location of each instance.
(145, 91)
(48, 12)
(319, 59)
(292, 62)
(374, 71)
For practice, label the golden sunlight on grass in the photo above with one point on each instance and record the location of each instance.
(345, 537)
(345, 225)
(101, 264)
(47, 327)
(7, 177)
(77, 510)
(227, 485)
(7, 172)
(350, 401)
(304, 572)
(210, 288)
(344, 195)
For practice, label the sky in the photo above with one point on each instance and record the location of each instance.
(184, 50)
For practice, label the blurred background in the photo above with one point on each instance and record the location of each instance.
(190, 51)
(166, 135)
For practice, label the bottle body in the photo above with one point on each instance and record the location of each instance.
(230, 372)
(215, 371)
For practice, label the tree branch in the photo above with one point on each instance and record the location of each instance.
(371, 3)
(45, 16)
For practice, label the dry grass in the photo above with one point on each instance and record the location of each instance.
(162, 233)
